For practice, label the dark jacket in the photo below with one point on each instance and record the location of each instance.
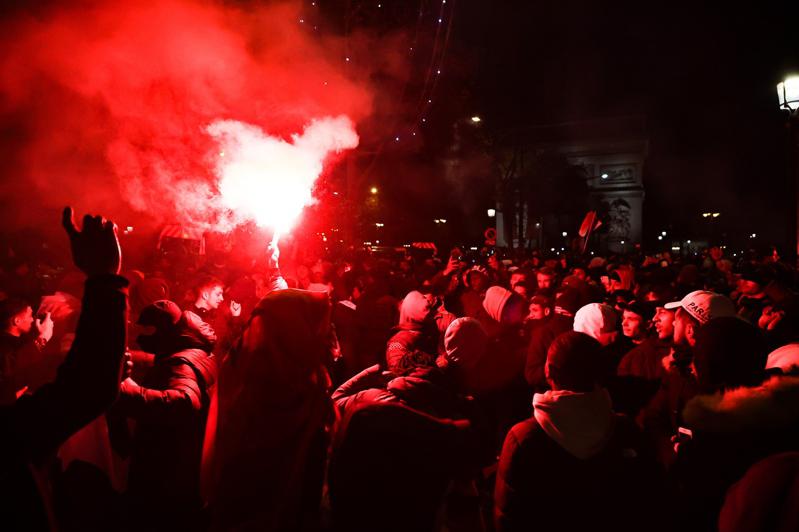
(16, 352)
(731, 431)
(537, 350)
(170, 408)
(390, 466)
(638, 376)
(266, 451)
(541, 486)
(86, 384)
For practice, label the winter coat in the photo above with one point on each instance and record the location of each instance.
(416, 331)
(638, 376)
(731, 431)
(87, 383)
(543, 486)
(764, 500)
(539, 344)
(390, 466)
(265, 443)
(170, 408)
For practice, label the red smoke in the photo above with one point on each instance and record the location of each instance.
(112, 100)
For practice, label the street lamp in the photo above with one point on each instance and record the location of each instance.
(492, 213)
(788, 93)
(788, 97)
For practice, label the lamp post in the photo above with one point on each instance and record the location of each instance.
(788, 95)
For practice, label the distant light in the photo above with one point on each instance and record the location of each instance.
(437, 221)
(491, 213)
(430, 100)
(675, 248)
(377, 241)
(473, 248)
(705, 214)
(716, 214)
(443, 221)
(396, 139)
(754, 235)
(302, 21)
(604, 176)
(622, 242)
(347, 59)
(564, 233)
(373, 190)
(663, 233)
(537, 224)
(438, 71)
(660, 237)
(551, 249)
(788, 93)
(687, 241)
(129, 229)
(476, 119)
(378, 224)
(335, 193)
(592, 253)
(424, 120)
(440, 21)
(221, 154)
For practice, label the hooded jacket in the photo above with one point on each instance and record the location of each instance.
(265, 449)
(556, 474)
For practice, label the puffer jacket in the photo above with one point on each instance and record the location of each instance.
(731, 431)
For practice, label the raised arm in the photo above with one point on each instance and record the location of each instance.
(88, 380)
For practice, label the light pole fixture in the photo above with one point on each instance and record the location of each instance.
(788, 93)
(788, 97)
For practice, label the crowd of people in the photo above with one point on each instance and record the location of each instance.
(468, 392)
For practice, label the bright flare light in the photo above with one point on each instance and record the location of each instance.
(269, 180)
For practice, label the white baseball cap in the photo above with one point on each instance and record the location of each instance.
(704, 306)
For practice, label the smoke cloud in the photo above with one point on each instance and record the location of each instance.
(117, 107)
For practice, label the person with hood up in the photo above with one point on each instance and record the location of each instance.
(416, 331)
(263, 462)
(401, 440)
(170, 408)
(571, 465)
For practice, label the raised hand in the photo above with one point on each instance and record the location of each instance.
(44, 326)
(95, 249)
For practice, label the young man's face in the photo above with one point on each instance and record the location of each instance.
(537, 311)
(682, 328)
(214, 296)
(632, 325)
(24, 320)
(664, 323)
(544, 281)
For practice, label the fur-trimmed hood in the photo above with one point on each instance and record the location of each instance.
(774, 405)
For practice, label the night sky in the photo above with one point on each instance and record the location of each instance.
(703, 77)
